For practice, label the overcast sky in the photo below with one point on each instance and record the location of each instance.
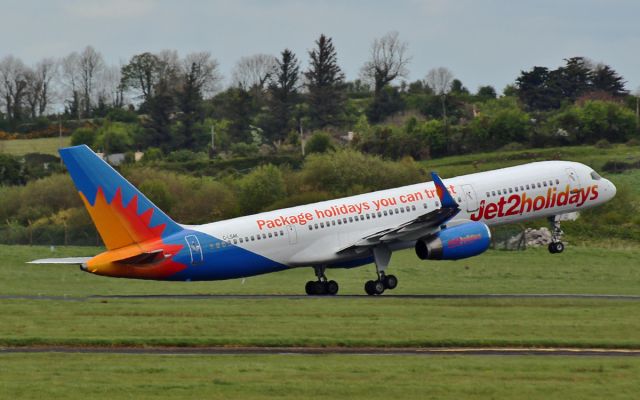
(483, 42)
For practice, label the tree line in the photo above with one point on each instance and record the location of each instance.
(166, 102)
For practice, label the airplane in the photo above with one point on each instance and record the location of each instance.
(443, 220)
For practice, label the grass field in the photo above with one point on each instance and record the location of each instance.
(367, 321)
(19, 147)
(77, 376)
(290, 321)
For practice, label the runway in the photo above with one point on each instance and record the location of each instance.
(364, 351)
(338, 297)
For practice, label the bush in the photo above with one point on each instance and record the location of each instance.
(260, 188)
(603, 144)
(83, 135)
(242, 149)
(633, 142)
(319, 142)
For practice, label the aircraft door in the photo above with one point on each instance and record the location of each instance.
(469, 197)
(194, 248)
(574, 178)
(293, 234)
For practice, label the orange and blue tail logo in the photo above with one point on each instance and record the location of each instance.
(122, 214)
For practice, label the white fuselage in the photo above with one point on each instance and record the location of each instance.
(314, 234)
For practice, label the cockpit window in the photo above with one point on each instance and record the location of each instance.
(595, 176)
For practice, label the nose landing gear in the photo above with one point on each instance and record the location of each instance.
(556, 246)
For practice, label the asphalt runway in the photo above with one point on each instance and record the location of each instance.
(366, 351)
(302, 296)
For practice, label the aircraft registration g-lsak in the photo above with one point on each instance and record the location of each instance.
(443, 220)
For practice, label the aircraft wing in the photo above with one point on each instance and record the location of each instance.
(67, 260)
(416, 228)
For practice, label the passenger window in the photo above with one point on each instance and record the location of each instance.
(344, 220)
(414, 207)
(235, 241)
(544, 183)
(539, 186)
(402, 210)
(425, 205)
(315, 226)
(253, 238)
(281, 233)
(321, 224)
(510, 190)
(275, 233)
(310, 228)
(368, 216)
(339, 222)
(333, 222)
(487, 194)
(270, 234)
(557, 181)
(350, 219)
(380, 214)
(264, 235)
(493, 193)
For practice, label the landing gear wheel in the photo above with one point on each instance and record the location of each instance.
(369, 287)
(310, 288)
(378, 287)
(320, 287)
(390, 282)
(332, 287)
(556, 247)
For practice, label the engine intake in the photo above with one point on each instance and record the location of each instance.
(455, 243)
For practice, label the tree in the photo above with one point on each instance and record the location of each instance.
(38, 92)
(253, 73)
(440, 81)
(13, 86)
(605, 79)
(389, 60)
(486, 93)
(325, 82)
(90, 65)
(71, 82)
(200, 76)
(283, 95)
(573, 79)
(535, 90)
(142, 73)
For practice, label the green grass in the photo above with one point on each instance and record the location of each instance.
(20, 147)
(78, 376)
(367, 321)
(577, 270)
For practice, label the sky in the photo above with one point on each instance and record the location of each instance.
(483, 42)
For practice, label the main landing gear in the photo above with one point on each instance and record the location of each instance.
(556, 246)
(322, 286)
(381, 256)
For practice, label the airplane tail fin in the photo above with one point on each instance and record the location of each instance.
(445, 197)
(120, 212)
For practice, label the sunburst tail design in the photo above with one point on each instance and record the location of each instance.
(121, 213)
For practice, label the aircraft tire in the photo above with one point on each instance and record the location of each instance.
(310, 288)
(332, 288)
(369, 287)
(559, 247)
(390, 282)
(378, 287)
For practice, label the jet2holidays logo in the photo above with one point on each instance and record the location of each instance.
(517, 204)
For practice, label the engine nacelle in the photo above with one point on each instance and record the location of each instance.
(461, 241)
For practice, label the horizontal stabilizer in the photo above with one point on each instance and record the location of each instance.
(67, 260)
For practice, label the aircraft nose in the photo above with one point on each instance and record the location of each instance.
(612, 189)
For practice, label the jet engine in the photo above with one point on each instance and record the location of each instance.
(461, 241)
